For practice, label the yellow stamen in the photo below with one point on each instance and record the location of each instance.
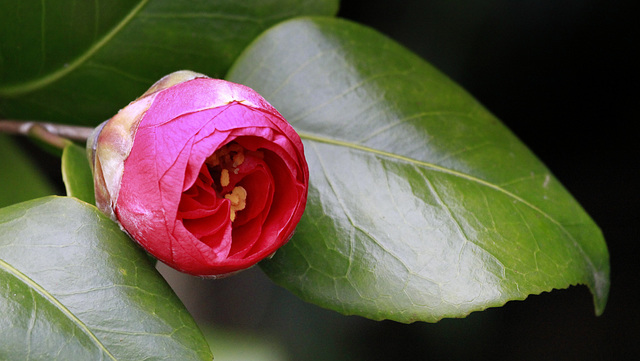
(238, 159)
(219, 156)
(238, 199)
(225, 160)
(224, 178)
(213, 160)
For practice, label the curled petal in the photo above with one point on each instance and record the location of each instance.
(203, 173)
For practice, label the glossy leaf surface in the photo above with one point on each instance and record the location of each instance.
(75, 287)
(81, 61)
(76, 173)
(422, 205)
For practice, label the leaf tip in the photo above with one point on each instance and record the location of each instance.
(600, 290)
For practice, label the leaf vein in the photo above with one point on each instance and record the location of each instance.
(450, 214)
(52, 299)
(297, 70)
(407, 119)
(73, 65)
(345, 92)
(419, 163)
(350, 217)
(201, 15)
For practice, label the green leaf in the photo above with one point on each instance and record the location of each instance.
(76, 173)
(75, 287)
(15, 168)
(80, 62)
(422, 205)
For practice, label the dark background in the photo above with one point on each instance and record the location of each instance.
(561, 76)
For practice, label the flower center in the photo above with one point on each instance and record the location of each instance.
(224, 165)
(238, 198)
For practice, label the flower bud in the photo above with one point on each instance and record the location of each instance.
(203, 173)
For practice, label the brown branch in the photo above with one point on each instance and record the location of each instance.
(57, 135)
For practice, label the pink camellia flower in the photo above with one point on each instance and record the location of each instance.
(203, 173)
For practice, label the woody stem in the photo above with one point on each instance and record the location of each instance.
(57, 135)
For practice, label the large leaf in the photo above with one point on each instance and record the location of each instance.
(75, 287)
(15, 168)
(422, 205)
(81, 61)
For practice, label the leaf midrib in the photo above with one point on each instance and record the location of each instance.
(435, 167)
(413, 161)
(26, 87)
(51, 298)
